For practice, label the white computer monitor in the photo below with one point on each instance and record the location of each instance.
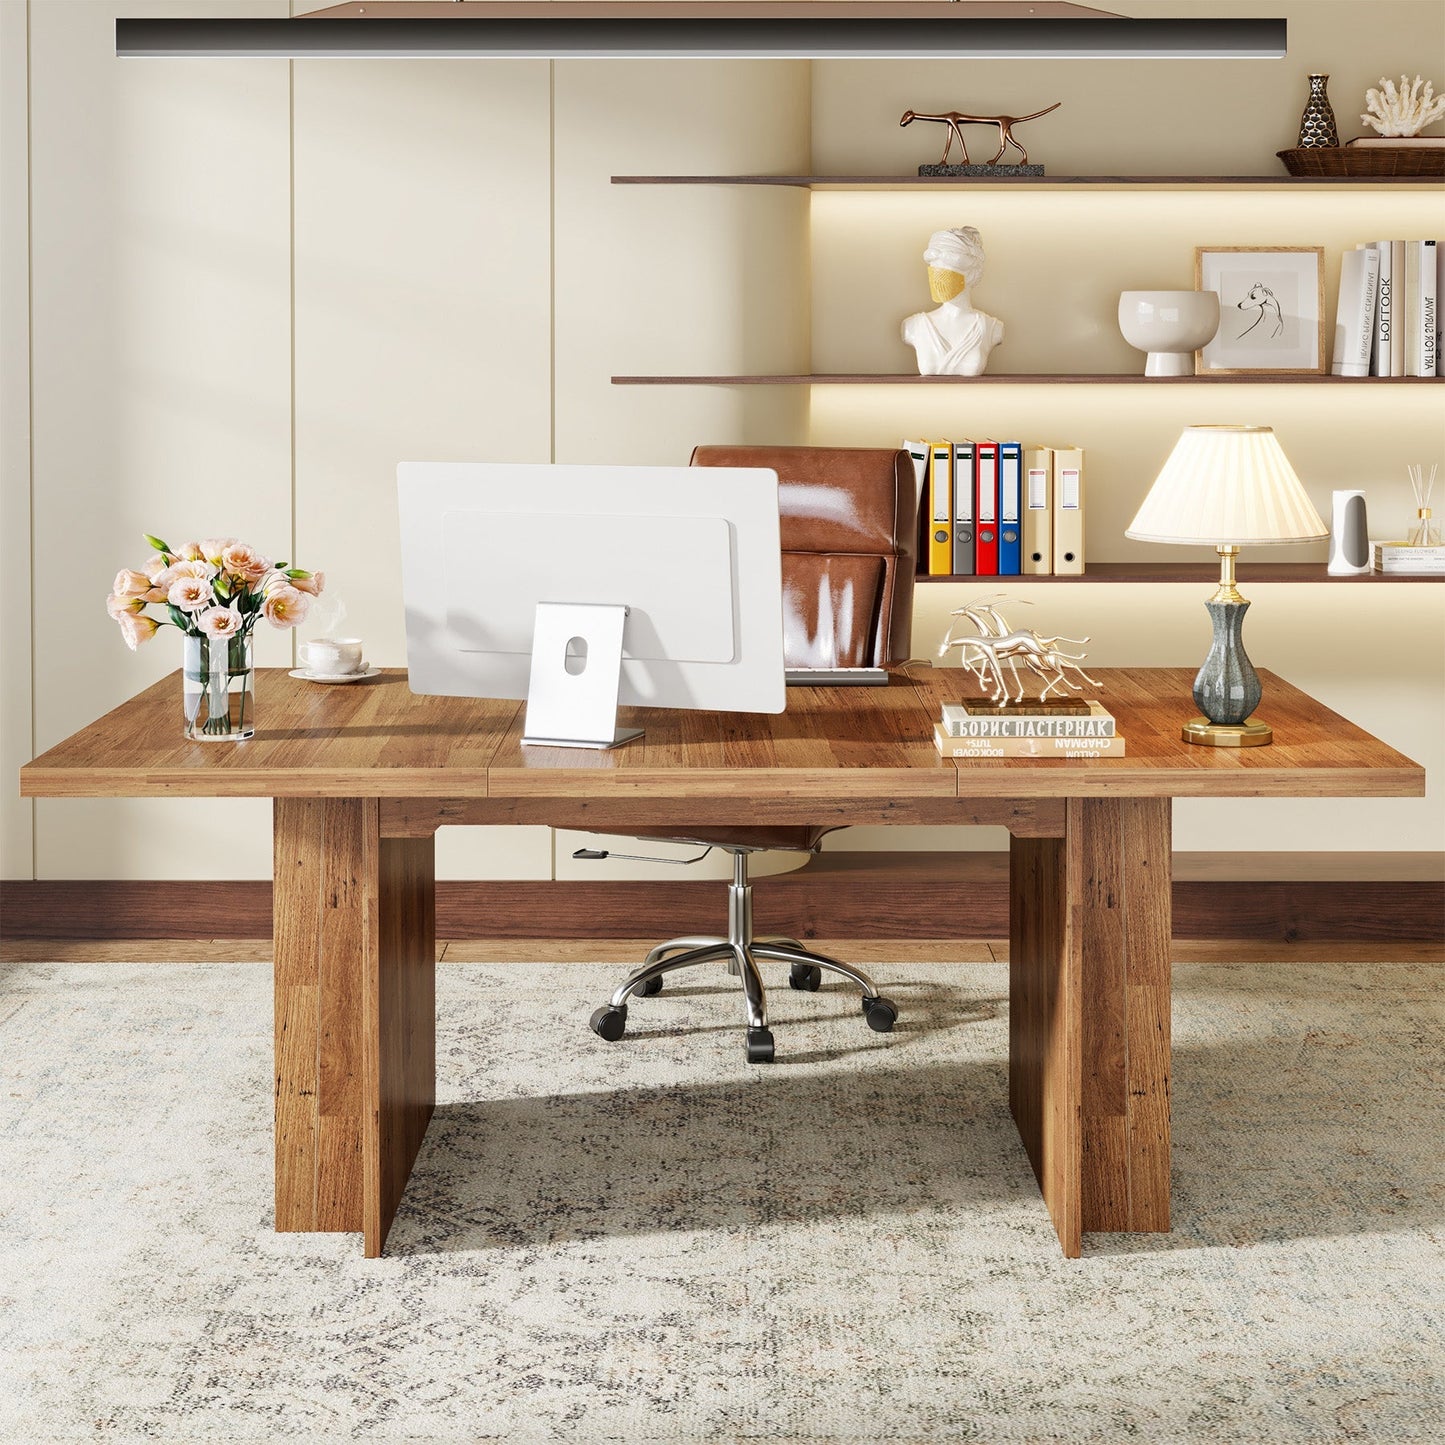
(691, 553)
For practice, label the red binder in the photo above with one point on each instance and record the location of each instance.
(986, 509)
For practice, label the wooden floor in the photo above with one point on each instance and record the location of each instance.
(622, 951)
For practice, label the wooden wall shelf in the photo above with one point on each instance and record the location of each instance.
(1027, 183)
(1087, 378)
(1202, 573)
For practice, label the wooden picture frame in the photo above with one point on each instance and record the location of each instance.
(1271, 310)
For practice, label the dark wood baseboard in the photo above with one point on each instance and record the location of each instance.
(840, 895)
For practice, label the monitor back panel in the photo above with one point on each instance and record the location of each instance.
(693, 553)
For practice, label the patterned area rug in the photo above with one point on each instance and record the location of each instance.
(653, 1241)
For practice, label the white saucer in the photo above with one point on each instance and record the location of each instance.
(305, 676)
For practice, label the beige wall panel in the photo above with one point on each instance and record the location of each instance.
(664, 279)
(1122, 117)
(161, 386)
(1057, 261)
(677, 279)
(17, 815)
(422, 325)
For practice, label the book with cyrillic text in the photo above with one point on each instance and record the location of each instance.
(952, 747)
(1097, 722)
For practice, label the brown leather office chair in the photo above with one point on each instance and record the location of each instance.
(849, 520)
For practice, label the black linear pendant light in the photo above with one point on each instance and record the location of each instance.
(708, 29)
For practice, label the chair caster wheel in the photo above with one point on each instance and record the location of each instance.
(652, 986)
(805, 977)
(760, 1046)
(881, 1013)
(608, 1022)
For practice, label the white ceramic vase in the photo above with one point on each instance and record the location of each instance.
(1349, 535)
(1170, 325)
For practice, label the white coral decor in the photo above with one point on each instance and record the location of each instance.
(1406, 111)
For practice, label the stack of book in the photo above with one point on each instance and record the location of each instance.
(1068, 728)
(1404, 560)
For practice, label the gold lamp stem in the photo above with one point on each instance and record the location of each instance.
(1227, 591)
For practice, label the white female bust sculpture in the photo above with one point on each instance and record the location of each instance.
(954, 340)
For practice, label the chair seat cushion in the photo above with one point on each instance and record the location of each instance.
(800, 838)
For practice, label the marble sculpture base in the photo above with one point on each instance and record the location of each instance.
(980, 170)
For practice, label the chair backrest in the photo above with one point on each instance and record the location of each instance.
(849, 525)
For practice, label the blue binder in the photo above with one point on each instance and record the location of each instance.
(1010, 513)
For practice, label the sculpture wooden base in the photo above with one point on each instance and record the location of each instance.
(1006, 171)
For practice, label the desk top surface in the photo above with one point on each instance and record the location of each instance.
(378, 739)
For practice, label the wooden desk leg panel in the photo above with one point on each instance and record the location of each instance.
(355, 1014)
(1043, 1062)
(400, 1030)
(1089, 1014)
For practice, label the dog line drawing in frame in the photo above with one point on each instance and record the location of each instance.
(1261, 299)
(954, 119)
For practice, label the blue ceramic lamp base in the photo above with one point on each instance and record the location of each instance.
(1227, 689)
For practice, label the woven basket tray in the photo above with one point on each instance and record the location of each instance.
(1365, 161)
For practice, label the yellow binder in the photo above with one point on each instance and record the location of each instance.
(1038, 540)
(1068, 511)
(940, 512)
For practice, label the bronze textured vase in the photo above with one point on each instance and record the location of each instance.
(1317, 123)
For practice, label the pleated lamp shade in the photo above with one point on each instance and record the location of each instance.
(1227, 486)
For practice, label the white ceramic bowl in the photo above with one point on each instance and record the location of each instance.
(1170, 325)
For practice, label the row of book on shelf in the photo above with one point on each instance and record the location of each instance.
(999, 509)
(1387, 322)
(1069, 728)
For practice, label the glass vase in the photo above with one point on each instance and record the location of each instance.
(1317, 123)
(217, 689)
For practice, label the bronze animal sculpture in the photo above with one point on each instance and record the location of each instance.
(1005, 123)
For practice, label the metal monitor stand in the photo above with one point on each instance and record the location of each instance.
(576, 672)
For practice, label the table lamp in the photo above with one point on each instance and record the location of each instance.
(1229, 487)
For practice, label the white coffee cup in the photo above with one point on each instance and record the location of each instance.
(331, 656)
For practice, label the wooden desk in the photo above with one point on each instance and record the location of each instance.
(363, 775)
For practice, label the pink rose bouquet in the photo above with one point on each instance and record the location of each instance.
(213, 591)
(214, 588)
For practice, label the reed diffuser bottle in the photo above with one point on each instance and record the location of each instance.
(1426, 531)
